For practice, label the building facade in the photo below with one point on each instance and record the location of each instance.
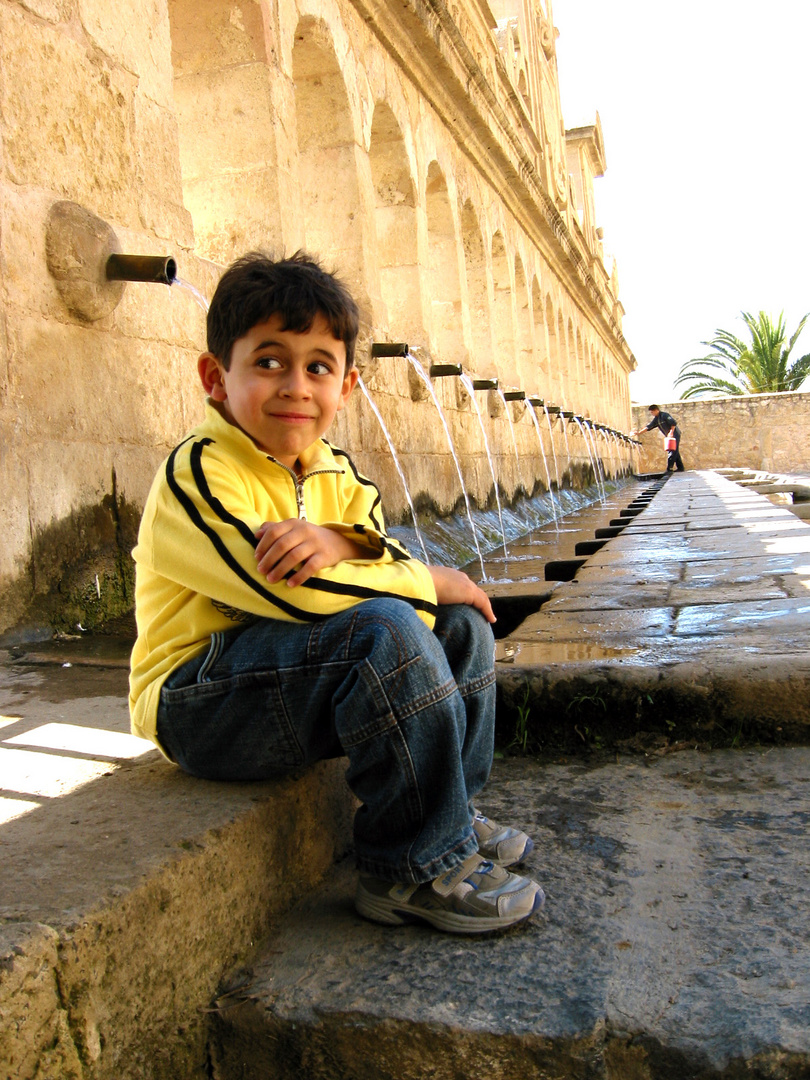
(416, 147)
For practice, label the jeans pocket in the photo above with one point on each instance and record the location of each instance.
(231, 728)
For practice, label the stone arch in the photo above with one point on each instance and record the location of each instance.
(502, 313)
(226, 124)
(541, 343)
(525, 354)
(475, 266)
(575, 337)
(443, 283)
(564, 363)
(327, 156)
(396, 227)
(553, 353)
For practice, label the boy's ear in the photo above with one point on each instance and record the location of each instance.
(210, 372)
(349, 383)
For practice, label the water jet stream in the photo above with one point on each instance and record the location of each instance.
(423, 376)
(397, 465)
(468, 385)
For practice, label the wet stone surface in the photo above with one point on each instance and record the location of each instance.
(677, 913)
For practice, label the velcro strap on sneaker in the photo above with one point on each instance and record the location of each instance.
(403, 893)
(445, 884)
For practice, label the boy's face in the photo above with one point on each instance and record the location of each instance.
(282, 389)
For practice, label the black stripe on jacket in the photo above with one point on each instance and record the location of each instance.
(359, 592)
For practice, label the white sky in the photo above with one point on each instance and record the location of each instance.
(704, 110)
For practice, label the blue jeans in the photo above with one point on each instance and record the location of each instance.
(412, 709)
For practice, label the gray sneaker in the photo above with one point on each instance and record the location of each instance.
(472, 898)
(500, 844)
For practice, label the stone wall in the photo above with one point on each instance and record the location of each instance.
(769, 432)
(418, 149)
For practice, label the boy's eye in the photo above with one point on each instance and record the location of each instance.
(319, 367)
(268, 362)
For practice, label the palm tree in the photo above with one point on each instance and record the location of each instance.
(738, 367)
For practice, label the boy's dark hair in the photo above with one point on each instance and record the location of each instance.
(651, 407)
(257, 287)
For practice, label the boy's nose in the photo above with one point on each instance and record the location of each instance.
(295, 383)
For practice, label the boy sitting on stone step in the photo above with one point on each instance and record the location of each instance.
(279, 625)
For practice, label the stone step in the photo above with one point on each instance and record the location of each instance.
(128, 888)
(672, 944)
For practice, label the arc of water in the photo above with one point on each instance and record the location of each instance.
(613, 446)
(553, 448)
(583, 430)
(468, 386)
(512, 430)
(597, 463)
(598, 460)
(423, 376)
(397, 465)
(536, 422)
(567, 444)
(186, 286)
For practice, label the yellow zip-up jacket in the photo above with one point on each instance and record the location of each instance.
(195, 566)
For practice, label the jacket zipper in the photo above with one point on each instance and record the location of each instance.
(298, 483)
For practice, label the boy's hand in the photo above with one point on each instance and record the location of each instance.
(285, 545)
(454, 587)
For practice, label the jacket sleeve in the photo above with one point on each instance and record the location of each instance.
(361, 513)
(202, 525)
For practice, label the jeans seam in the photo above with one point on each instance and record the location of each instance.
(213, 654)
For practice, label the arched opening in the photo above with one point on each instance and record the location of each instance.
(327, 157)
(566, 368)
(527, 374)
(541, 349)
(475, 264)
(226, 124)
(395, 221)
(502, 313)
(444, 290)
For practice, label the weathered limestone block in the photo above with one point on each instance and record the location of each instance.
(35, 1040)
(16, 511)
(237, 29)
(140, 42)
(76, 142)
(51, 10)
(157, 170)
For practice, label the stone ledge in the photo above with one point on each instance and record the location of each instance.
(126, 896)
(671, 944)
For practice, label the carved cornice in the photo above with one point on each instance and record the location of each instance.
(426, 42)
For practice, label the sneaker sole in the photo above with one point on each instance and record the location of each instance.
(385, 911)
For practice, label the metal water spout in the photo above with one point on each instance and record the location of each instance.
(440, 371)
(389, 348)
(514, 395)
(485, 384)
(157, 269)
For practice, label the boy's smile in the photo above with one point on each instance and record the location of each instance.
(282, 388)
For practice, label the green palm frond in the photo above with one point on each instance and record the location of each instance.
(735, 366)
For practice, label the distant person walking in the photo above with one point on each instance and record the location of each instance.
(668, 425)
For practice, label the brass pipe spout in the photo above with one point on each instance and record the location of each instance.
(439, 371)
(159, 269)
(389, 348)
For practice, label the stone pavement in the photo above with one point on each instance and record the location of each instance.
(674, 937)
(693, 620)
